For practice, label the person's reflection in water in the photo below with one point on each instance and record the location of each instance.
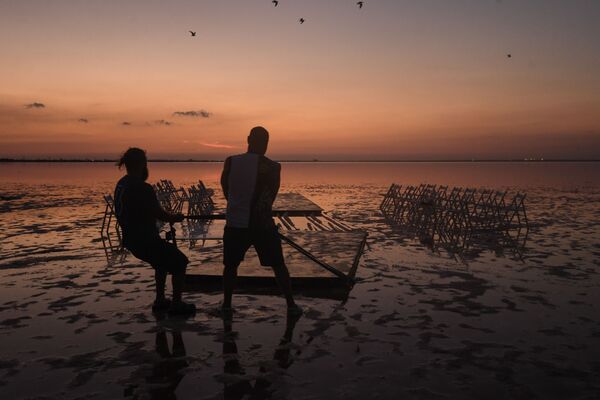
(262, 386)
(236, 385)
(167, 372)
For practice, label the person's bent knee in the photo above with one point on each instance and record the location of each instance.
(172, 269)
(279, 267)
(230, 267)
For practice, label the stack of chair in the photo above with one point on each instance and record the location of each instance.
(459, 218)
(170, 198)
(200, 200)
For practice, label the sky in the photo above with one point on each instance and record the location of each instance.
(397, 79)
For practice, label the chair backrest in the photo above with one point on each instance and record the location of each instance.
(108, 199)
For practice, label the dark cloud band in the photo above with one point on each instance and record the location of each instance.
(35, 105)
(195, 114)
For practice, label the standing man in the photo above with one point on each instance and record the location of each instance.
(137, 210)
(250, 183)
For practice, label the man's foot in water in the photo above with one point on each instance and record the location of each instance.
(161, 305)
(182, 308)
(294, 311)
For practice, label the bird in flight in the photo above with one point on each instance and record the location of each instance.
(301, 20)
(192, 33)
(509, 55)
(360, 4)
(275, 3)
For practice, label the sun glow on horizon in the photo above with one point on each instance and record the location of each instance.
(388, 81)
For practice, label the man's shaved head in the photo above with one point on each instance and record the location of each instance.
(258, 139)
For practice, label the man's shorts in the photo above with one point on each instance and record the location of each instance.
(162, 255)
(266, 242)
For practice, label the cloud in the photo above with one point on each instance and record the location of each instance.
(35, 105)
(126, 123)
(217, 145)
(195, 114)
(164, 122)
(83, 120)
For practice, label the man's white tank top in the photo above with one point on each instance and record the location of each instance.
(242, 184)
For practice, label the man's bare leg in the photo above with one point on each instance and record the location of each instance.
(229, 277)
(178, 306)
(177, 281)
(160, 278)
(282, 276)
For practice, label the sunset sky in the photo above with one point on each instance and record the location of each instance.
(397, 79)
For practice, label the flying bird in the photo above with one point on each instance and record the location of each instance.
(301, 20)
(360, 4)
(275, 3)
(509, 55)
(192, 33)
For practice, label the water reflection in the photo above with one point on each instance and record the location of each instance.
(496, 174)
(168, 371)
(237, 384)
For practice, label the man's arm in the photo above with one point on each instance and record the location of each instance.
(225, 177)
(276, 180)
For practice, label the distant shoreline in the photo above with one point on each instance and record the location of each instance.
(16, 160)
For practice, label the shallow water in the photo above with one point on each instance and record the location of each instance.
(418, 324)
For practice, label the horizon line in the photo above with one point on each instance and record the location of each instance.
(165, 160)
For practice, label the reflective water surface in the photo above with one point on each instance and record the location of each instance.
(492, 174)
(418, 324)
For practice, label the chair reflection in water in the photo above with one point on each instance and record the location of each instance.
(111, 235)
(464, 221)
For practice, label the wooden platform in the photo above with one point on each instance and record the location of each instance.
(294, 204)
(341, 250)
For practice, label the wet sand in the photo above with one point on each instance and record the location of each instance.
(417, 325)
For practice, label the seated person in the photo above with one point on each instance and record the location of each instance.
(137, 210)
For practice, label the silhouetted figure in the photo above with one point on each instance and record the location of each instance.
(137, 210)
(360, 4)
(192, 33)
(275, 3)
(301, 20)
(250, 183)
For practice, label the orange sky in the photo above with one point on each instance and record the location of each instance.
(406, 80)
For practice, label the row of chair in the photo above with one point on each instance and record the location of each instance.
(197, 197)
(457, 218)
